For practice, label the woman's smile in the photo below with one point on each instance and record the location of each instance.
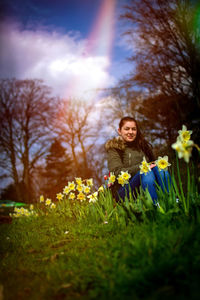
(128, 132)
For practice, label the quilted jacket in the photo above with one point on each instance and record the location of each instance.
(123, 156)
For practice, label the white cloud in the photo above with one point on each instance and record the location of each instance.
(55, 57)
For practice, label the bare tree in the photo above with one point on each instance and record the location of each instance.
(25, 120)
(166, 62)
(78, 127)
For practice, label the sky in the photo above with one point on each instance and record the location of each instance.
(75, 46)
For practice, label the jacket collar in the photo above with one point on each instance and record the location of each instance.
(119, 143)
(116, 142)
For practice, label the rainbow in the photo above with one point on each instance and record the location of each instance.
(101, 37)
(99, 42)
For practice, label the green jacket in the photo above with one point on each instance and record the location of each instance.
(122, 157)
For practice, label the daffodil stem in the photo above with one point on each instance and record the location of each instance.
(188, 187)
(196, 146)
(180, 184)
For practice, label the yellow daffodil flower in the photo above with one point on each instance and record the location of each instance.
(112, 178)
(144, 167)
(125, 175)
(41, 198)
(17, 215)
(184, 149)
(71, 186)
(162, 162)
(31, 207)
(71, 196)
(22, 212)
(48, 201)
(121, 180)
(53, 205)
(101, 188)
(86, 189)
(59, 196)
(89, 182)
(81, 196)
(178, 147)
(78, 180)
(79, 187)
(184, 134)
(66, 190)
(93, 197)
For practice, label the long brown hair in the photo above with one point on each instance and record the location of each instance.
(139, 142)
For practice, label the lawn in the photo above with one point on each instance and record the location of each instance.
(88, 246)
(47, 257)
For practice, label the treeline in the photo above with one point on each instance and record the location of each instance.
(163, 88)
(46, 141)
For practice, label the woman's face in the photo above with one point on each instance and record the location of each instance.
(128, 132)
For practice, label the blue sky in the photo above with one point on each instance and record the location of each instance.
(75, 46)
(69, 14)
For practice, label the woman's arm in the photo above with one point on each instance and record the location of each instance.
(115, 163)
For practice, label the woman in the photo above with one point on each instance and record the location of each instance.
(125, 153)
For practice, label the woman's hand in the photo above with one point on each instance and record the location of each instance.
(152, 165)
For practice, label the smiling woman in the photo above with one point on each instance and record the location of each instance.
(128, 132)
(130, 154)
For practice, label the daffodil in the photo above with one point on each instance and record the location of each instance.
(27, 213)
(184, 134)
(81, 196)
(184, 149)
(66, 190)
(41, 198)
(53, 205)
(125, 175)
(31, 207)
(162, 162)
(112, 178)
(101, 188)
(86, 189)
(78, 180)
(79, 187)
(121, 180)
(59, 196)
(89, 182)
(93, 197)
(71, 196)
(71, 186)
(22, 210)
(17, 215)
(178, 146)
(48, 202)
(144, 167)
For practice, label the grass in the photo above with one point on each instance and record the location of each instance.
(106, 250)
(62, 258)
